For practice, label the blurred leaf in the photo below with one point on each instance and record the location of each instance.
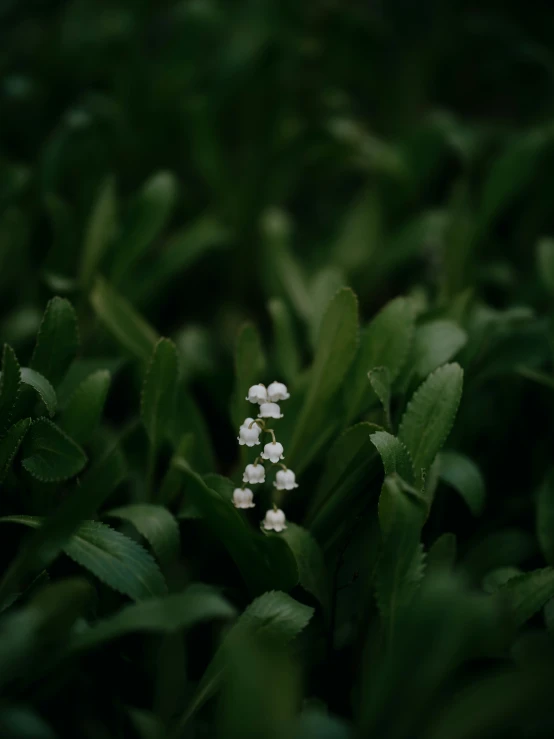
(182, 250)
(508, 546)
(435, 343)
(336, 347)
(148, 215)
(250, 367)
(401, 518)
(99, 233)
(359, 232)
(22, 722)
(128, 328)
(495, 579)
(442, 554)
(545, 518)
(169, 614)
(187, 420)
(464, 476)
(156, 524)
(49, 454)
(57, 341)
(430, 415)
(323, 287)
(384, 343)
(83, 412)
(314, 724)
(43, 388)
(545, 263)
(285, 275)
(274, 616)
(10, 443)
(158, 392)
(312, 572)
(287, 354)
(526, 594)
(10, 385)
(510, 173)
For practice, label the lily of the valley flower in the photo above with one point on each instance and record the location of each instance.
(285, 480)
(243, 498)
(249, 433)
(254, 473)
(257, 394)
(273, 451)
(275, 520)
(270, 410)
(277, 391)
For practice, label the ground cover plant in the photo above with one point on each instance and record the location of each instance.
(276, 382)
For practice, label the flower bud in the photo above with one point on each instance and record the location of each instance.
(254, 473)
(270, 410)
(243, 498)
(285, 480)
(249, 433)
(257, 394)
(274, 520)
(273, 451)
(277, 391)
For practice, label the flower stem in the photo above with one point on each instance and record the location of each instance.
(270, 431)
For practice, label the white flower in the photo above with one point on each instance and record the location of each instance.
(273, 451)
(277, 391)
(247, 435)
(270, 410)
(257, 394)
(254, 473)
(285, 480)
(242, 498)
(274, 520)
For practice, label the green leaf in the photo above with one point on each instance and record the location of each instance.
(442, 554)
(188, 420)
(182, 250)
(545, 263)
(435, 343)
(318, 724)
(43, 388)
(526, 594)
(430, 415)
(158, 392)
(250, 367)
(275, 616)
(323, 287)
(384, 343)
(118, 561)
(99, 233)
(287, 356)
(10, 385)
(395, 456)
(49, 454)
(511, 172)
(112, 557)
(312, 572)
(57, 341)
(83, 412)
(401, 518)
(464, 476)
(128, 328)
(381, 382)
(263, 561)
(338, 337)
(170, 614)
(156, 524)
(545, 517)
(10, 443)
(147, 217)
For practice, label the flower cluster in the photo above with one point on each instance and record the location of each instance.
(268, 399)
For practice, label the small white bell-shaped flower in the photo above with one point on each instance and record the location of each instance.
(243, 498)
(277, 391)
(257, 394)
(285, 480)
(275, 520)
(270, 410)
(254, 473)
(273, 451)
(249, 433)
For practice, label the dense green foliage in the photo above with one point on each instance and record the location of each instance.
(353, 198)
